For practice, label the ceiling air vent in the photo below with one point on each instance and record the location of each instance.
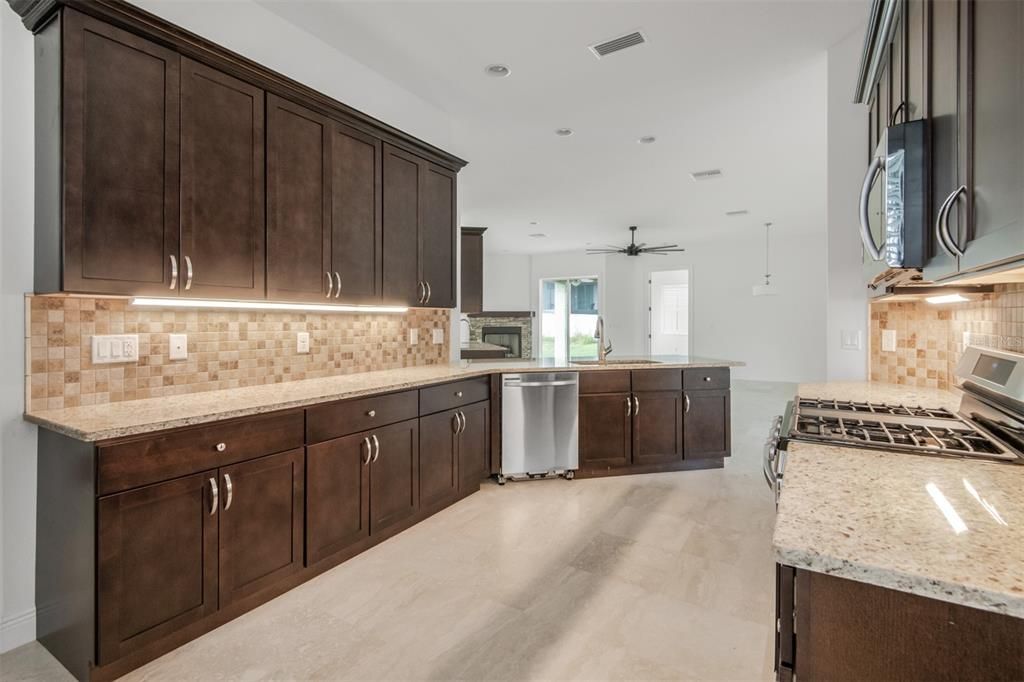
(741, 211)
(706, 174)
(618, 44)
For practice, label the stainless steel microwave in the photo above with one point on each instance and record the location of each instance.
(893, 199)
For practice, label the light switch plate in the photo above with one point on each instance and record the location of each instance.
(889, 340)
(111, 348)
(177, 346)
(414, 336)
(437, 336)
(850, 339)
(302, 342)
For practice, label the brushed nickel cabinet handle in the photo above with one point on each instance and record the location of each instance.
(230, 488)
(945, 238)
(174, 273)
(636, 406)
(215, 500)
(330, 284)
(629, 406)
(221, 447)
(369, 450)
(462, 418)
(376, 448)
(421, 291)
(429, 292)
(687, 399)
(188, 273)
(337, 289)
(458, 394)
(456, 424)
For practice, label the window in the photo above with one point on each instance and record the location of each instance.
(673, 308)
(584, 297)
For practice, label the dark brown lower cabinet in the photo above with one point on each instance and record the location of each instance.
(337, 495)
(657, 427)
(474, 446)
(849, 630)
(261, 523)
(606, 430)
(706, 424)
(156, 562)
(439, 457)
(394, 474)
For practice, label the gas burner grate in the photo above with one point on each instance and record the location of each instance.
(961, 440)
(876, 408)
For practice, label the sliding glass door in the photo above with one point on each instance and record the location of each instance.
(569, 310)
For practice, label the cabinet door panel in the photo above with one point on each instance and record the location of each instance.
(474, 446)
(437, 236)
(401, 201)
(356, 214)
(658, 427)
(439, 464)
(915, 88)
(298, 202)
(394, 475)
(261, 523)
(222, 221)
(120, 141)
(997, 140)
(605, 430)
(706, 425)
(337, 495)
(156, 563)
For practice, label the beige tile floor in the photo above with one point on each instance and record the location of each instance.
(662, 576)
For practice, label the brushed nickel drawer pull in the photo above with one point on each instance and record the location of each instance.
(458, 394)
(230, 488)
(707, 378)
(687, 408)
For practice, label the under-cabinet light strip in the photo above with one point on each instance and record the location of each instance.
(263, 305)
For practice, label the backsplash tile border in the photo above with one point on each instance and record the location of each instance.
(227, 349)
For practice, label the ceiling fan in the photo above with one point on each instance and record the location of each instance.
(634, 249)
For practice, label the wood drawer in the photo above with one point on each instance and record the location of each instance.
(657, 380)
(446, 396)
(710, 378)
(134, 463)
(604, 381)
(333, 420)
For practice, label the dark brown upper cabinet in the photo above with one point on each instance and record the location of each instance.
(119, 142)
(471, 284)
(419, 231)
(356, 229)
(298, 203)
(222, 199)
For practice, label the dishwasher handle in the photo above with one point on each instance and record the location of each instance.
(531, 384)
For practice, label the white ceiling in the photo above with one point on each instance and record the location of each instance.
(722, 84)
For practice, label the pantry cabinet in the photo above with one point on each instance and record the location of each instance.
(168, 166)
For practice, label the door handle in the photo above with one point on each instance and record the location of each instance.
(686, 407)
(174, 273)
(215, 496)
(330, 284)
(369, 450)
(942, 223)
(188, 273)
(376, 447)
(874, 250)
(337, 289)
(230, 489)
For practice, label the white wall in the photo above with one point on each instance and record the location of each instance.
(17, 438)
(847, 142)
(506, 281)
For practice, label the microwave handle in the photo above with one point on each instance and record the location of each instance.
(876, 166)
(942, 234)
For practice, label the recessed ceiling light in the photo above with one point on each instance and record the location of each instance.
(538, 235)
(497, 70)
(647, 139)
(563, 132)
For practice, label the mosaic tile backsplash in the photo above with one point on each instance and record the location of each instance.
(930, 338)
(227, 349)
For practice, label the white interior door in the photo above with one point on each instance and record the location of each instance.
(669, 324)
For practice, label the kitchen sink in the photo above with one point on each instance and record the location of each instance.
(616, 362)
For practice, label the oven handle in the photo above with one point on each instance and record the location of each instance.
(874, 250)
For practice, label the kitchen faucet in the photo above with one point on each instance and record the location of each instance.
(602, 349)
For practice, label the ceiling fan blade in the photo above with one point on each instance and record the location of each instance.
(673, 250)
(641, 245)
(592, 251)
(664, 246)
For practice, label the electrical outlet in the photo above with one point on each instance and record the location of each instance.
(110, 348)
(302, 342)
(889, 340)
(414, 336)
(966, 339)
(177, 346)
(437, 336)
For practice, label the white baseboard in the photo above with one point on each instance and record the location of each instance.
(17, 630)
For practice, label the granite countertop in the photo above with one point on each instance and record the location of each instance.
(480, 345)
(129, 418)
(877, 517)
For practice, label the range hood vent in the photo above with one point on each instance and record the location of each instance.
(618, 44)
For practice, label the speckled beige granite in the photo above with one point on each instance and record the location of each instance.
(129, 418)
(868, 515)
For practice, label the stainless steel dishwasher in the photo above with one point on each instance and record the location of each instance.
(539, 414)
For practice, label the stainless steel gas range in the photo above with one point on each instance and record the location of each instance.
(988, 426)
